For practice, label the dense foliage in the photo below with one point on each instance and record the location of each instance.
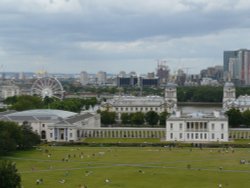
(200, 94)
(152, 118)
(26, 102)
(107, 118)
(13, 137)
(9, 177)
(136, 119)
(238, 119)
(163, 117)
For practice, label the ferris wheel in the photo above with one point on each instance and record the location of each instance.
(47, 87)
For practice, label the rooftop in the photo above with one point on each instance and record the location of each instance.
(41, 113)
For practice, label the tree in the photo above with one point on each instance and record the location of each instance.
(9, 177)
(10, 136)
(107, 118)
(152, 118)
(137, 118)
(126, 118)
(246, 117)
(234, 117)
(13, 137)
(163, 117)
(29, 138)
(26, 102)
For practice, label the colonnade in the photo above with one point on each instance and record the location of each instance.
(124, 133)
(147, 133)
(239, 133)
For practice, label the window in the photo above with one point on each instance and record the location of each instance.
(116, 109)
(171, 126)
(126, 109)
(51, 135)
(171, 135)
(180, 135)
(146, 108)
(151, 109)
(201, 136)
(196, 135)
(180, 125)
(43, 125)
(136, 109)
(205, 136)
(192, 136)
(187, 135)
(131, 109)
(121, 109)
(188, 126)
(222, 136)
(70, 135)
(212, 126)
(156, 109)
(212, 135)
(205, 125)
(222, 126)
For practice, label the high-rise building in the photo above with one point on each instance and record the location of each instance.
(162, 72)
(21, 76)
(101, 77)
(84, 79)
(237, 66)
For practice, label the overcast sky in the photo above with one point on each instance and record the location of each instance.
(70, 36)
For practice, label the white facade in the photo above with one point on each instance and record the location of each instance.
(209, 82)
(230, 101)
(132, 104)
(55, 125)
(9, 91)
(197, 127)
(84, 79)
(101, 77)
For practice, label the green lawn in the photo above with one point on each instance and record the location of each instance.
(145, 167)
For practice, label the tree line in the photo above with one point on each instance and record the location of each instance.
(137, 119)
(237, 119)
(27, 102)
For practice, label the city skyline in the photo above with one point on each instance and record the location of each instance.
(70, 36)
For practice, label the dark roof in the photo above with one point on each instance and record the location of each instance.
(7, 112)
(22, 118)
(78, 118)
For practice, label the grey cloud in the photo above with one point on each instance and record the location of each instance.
(55, 35)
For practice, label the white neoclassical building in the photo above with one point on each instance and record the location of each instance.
(9, 91)
(55, 125)
(197, 127)
(230, 101)
(132, 104)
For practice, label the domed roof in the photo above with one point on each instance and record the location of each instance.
(44, 113)
(171, 85)
(229, 84)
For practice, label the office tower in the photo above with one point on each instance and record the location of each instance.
(237, 66)
(162, 72)
(84, 79)
(101, 77)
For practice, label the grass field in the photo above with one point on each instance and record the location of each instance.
(147, 167)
